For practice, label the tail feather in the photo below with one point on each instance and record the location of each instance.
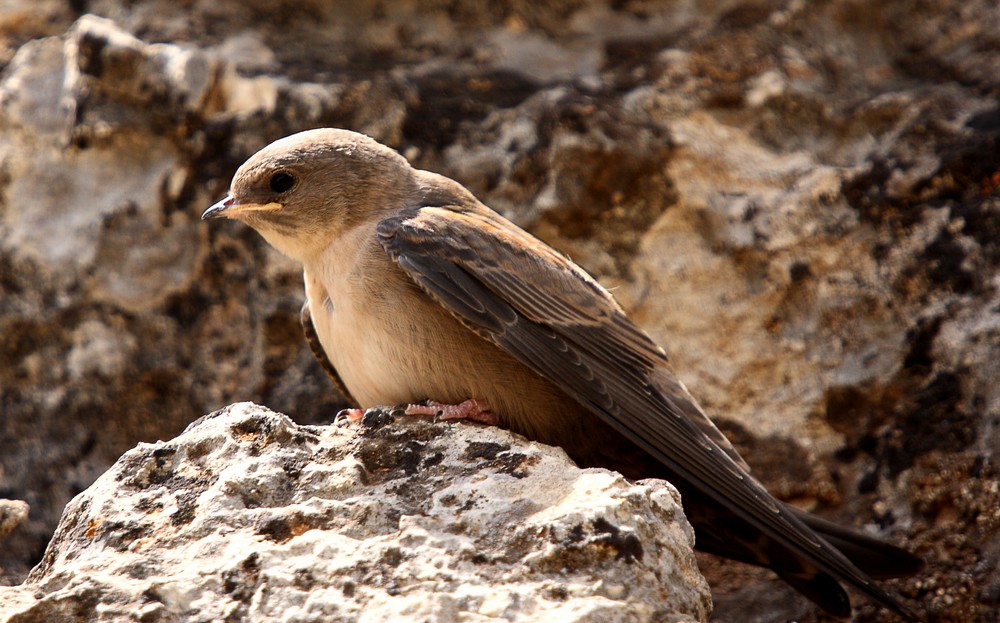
(878, 559)
(821, 589)
(720, 532)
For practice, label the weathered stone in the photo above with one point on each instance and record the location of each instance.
(247, 516)
(12, 514)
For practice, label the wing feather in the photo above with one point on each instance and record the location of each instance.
(541, 308)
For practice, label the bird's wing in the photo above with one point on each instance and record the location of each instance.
(667, 383)
(541, 308)
(312, 338)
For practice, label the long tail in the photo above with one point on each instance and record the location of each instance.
(722, 533)
(877, 558)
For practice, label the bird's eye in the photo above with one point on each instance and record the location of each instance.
(281, 182)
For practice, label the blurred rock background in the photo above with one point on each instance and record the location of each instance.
(799, 200)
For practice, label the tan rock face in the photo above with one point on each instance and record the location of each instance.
(249, 516)
(799, 201)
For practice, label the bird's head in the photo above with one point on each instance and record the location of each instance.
(305, 190)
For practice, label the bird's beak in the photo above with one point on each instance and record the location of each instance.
(229, 207)
(218, 208)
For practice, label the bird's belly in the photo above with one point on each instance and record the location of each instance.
(408, 348)
(402, 349)
(372, 366)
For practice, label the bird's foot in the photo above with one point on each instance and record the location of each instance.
(472, 409)
(348, 416)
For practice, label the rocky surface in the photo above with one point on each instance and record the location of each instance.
(247, 516)
(12, 514)
(800, 201)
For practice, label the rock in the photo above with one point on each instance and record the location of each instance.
(12, 514)
(248, 516)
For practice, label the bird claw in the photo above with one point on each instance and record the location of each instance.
(348, 416)
(472, 409)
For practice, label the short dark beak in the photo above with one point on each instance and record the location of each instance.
(218, 209)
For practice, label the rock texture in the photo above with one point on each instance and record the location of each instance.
(12, 514)
(799, 200)
(248, 517)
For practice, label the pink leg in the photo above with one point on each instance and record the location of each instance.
(472, 409)
(353, 416)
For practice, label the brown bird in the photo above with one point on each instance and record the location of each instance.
(416, 290)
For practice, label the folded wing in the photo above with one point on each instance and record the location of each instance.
(545, 311)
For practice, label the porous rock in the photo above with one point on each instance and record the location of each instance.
(12, 514)
(247, 516)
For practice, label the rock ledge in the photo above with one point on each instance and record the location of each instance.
(248, 516)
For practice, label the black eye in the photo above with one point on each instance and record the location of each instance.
(281, 182)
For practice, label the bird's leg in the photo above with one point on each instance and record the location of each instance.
(472, 409)
(352, 416)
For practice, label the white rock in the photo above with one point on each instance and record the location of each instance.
(247, 516)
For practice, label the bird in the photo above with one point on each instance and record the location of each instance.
(416, 291)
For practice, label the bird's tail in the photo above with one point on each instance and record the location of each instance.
(878, 559)
(741, 542)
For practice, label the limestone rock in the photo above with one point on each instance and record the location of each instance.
(12, 514)
(247, 516)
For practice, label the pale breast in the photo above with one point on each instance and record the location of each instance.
(392, 344)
